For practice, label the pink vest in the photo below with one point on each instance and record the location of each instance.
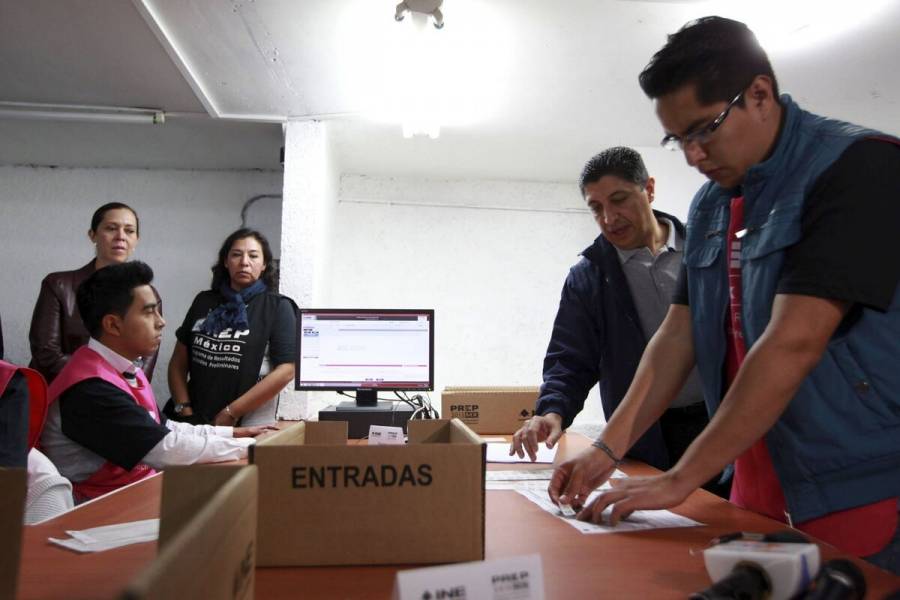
(37, 397)
(87, 364)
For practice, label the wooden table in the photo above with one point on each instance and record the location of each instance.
(652, 564)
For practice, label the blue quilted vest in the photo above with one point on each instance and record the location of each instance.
(837, 445)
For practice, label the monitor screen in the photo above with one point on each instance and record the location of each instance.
(365, 349)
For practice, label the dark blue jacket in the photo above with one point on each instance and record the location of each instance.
(837, 445)
(597, 336)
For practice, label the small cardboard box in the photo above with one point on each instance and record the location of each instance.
(12, 513)
(207, 536)
(324, 502)
(497, 410)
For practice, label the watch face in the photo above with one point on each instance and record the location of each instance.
(179, 408)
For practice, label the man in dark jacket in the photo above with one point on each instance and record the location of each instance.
(612, 303)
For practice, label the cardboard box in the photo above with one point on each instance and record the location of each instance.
(13, 484)
(323, 502)
(494, 410)
(207, 535)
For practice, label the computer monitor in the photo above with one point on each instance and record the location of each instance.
(365, 351)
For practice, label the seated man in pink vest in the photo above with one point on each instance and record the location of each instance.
(104, 429)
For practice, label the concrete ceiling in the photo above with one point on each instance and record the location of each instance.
(546, 83)
(103, 52)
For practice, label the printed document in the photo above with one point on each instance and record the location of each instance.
(639, 520)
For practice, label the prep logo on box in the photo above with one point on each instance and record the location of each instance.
(454, 593)
(467, 413)
(510, 585)
(526, 414)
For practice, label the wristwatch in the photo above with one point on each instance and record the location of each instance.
(179, 408)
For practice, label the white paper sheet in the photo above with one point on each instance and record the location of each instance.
(107, 537)
(515, 486)
(499, 453)
(531, 479)
(639, 520)
(520, 475)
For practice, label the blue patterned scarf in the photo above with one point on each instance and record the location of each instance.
(233, 312)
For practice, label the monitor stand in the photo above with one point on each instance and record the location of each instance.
(366, 400)
(353, 406)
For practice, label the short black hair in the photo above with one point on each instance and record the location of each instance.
(620, 161)
(110, 290)
(220, 273)
(101, 212)
(721, 57)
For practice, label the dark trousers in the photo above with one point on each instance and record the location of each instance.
(680, 426)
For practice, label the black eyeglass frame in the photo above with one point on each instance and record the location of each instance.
(702, 135)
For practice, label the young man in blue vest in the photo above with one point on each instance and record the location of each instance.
(789, 307)
(612, 302)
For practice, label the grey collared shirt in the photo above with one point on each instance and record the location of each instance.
(652, 281)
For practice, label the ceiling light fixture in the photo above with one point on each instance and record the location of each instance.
(409, 72)
(419, 100)
(74, 112)
(431, 8)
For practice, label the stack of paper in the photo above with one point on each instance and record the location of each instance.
(532, 479)
(537, 479)
(533, 485)
(637, 521)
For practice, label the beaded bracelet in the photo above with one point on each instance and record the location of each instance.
(598, 443)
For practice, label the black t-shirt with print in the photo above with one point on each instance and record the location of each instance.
(846, 252)
(222, 367)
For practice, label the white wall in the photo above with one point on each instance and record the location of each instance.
(45, 214)
(489, 256)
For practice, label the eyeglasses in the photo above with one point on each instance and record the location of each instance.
(702, 135)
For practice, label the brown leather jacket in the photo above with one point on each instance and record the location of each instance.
(56, 326)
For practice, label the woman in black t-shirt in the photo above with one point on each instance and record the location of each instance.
(235, 349)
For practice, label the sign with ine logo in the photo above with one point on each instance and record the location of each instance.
(383, 435)
(516, 578)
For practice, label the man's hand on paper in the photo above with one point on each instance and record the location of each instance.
(253, 431)
(574, 480)
(637, 493)
(543, 428)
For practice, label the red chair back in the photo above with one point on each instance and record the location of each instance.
(37, 405)
(37, 398)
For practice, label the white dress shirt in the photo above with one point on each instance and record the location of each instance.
(186, 444)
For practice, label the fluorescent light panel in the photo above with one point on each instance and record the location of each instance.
(58, 115)
(62, 112)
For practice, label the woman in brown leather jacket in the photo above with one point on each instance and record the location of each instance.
(56, 327)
